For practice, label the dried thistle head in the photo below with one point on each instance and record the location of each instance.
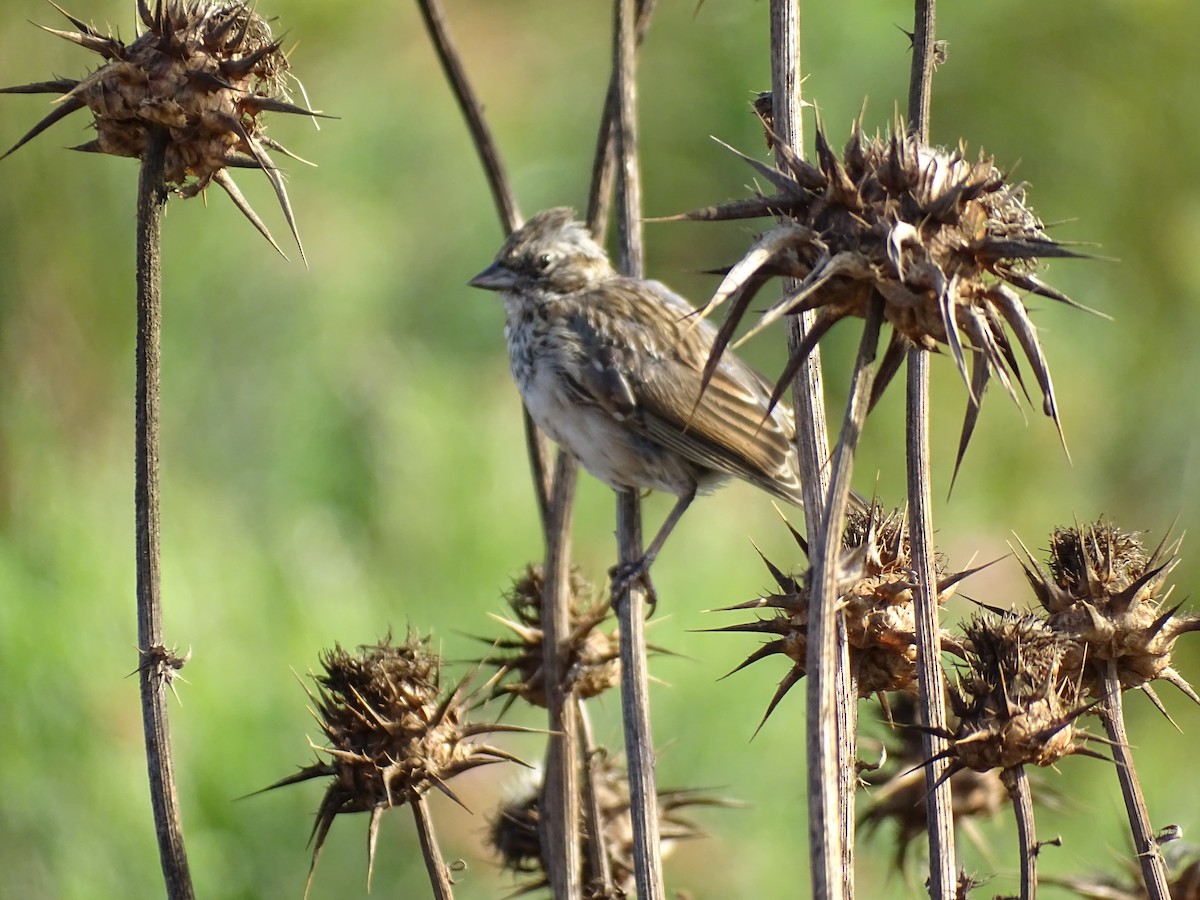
(875, 594)
(515, 830)
(940, 243)
(1180, 858)
(1108, 598)
(392, 733)
(1015, 704)
(594, 655)
(899, 794)
(203, 73)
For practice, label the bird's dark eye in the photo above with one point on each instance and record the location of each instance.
(542, 263)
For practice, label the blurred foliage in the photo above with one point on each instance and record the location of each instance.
(342, 448)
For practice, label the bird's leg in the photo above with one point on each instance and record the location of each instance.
(625, 574)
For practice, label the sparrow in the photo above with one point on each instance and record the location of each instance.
(610, 368)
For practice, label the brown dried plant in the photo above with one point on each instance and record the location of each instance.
(1016, 703)
(393, 734)
(593, 658)
(204, 71)
(898, 794)
(1108, 599)
(943, 241)
(516, 833)
(875, 598)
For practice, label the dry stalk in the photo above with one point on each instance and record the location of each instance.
(561, 791)
(506, 206)
(435, 864)
(830, 697)
(942, 876)
(630, 603)
(600, 191)
(157, 665)
(1016, 781)
(1149, 855)
(554, 494)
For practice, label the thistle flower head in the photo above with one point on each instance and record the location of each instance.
(1183, 870)
(593, 656)
(1108, 598)
(203, 73)
(392, 734)
(1014, 705)
(875, 594)
(515, 830)
(899, 793)
(941, 242)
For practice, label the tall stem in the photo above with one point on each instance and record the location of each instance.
(1016, 780)
(635, 708)
(561, 788)
(929, 669)
(828, 742)
(157, 665)
(435, 865)
(1112, 713)
(631, 605)
(432, 14)
(942, 878)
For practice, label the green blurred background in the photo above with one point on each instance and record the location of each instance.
(342, 446)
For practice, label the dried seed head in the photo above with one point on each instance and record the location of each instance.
(899, 793)
(1180, 857)
(515, 829)
(594, 655)
(1107, 597)
(875, 589)
(392, 734)
(940, 241)
(203, 72)
(1014, 704)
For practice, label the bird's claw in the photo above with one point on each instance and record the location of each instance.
(628, 575)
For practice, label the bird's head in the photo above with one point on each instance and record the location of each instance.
(551, 253)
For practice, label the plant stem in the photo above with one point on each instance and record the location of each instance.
(635, 707)
(929, 670)
(536, 444)
(920, 81)
(1149, 857)
(599, 858)
(439, 875)
(156, 665)
(472, 110)
(1017, 782)
(631, 259)
(825, 582)
(829, 745)
(942, 878)
(631, 604)
(561, 788)
(606, 143)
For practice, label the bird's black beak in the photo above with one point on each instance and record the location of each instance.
(494, 278)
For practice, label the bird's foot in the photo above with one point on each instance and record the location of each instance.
(628, 575)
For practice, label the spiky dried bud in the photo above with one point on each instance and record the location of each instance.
(967, 882)
(515, 831)
(203, 72)
(1108, 598)
(939, 241)
(1181, 858)
(899, 793)
(593, 665)
(1015, 704)
(392, 734)
(875, 592)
